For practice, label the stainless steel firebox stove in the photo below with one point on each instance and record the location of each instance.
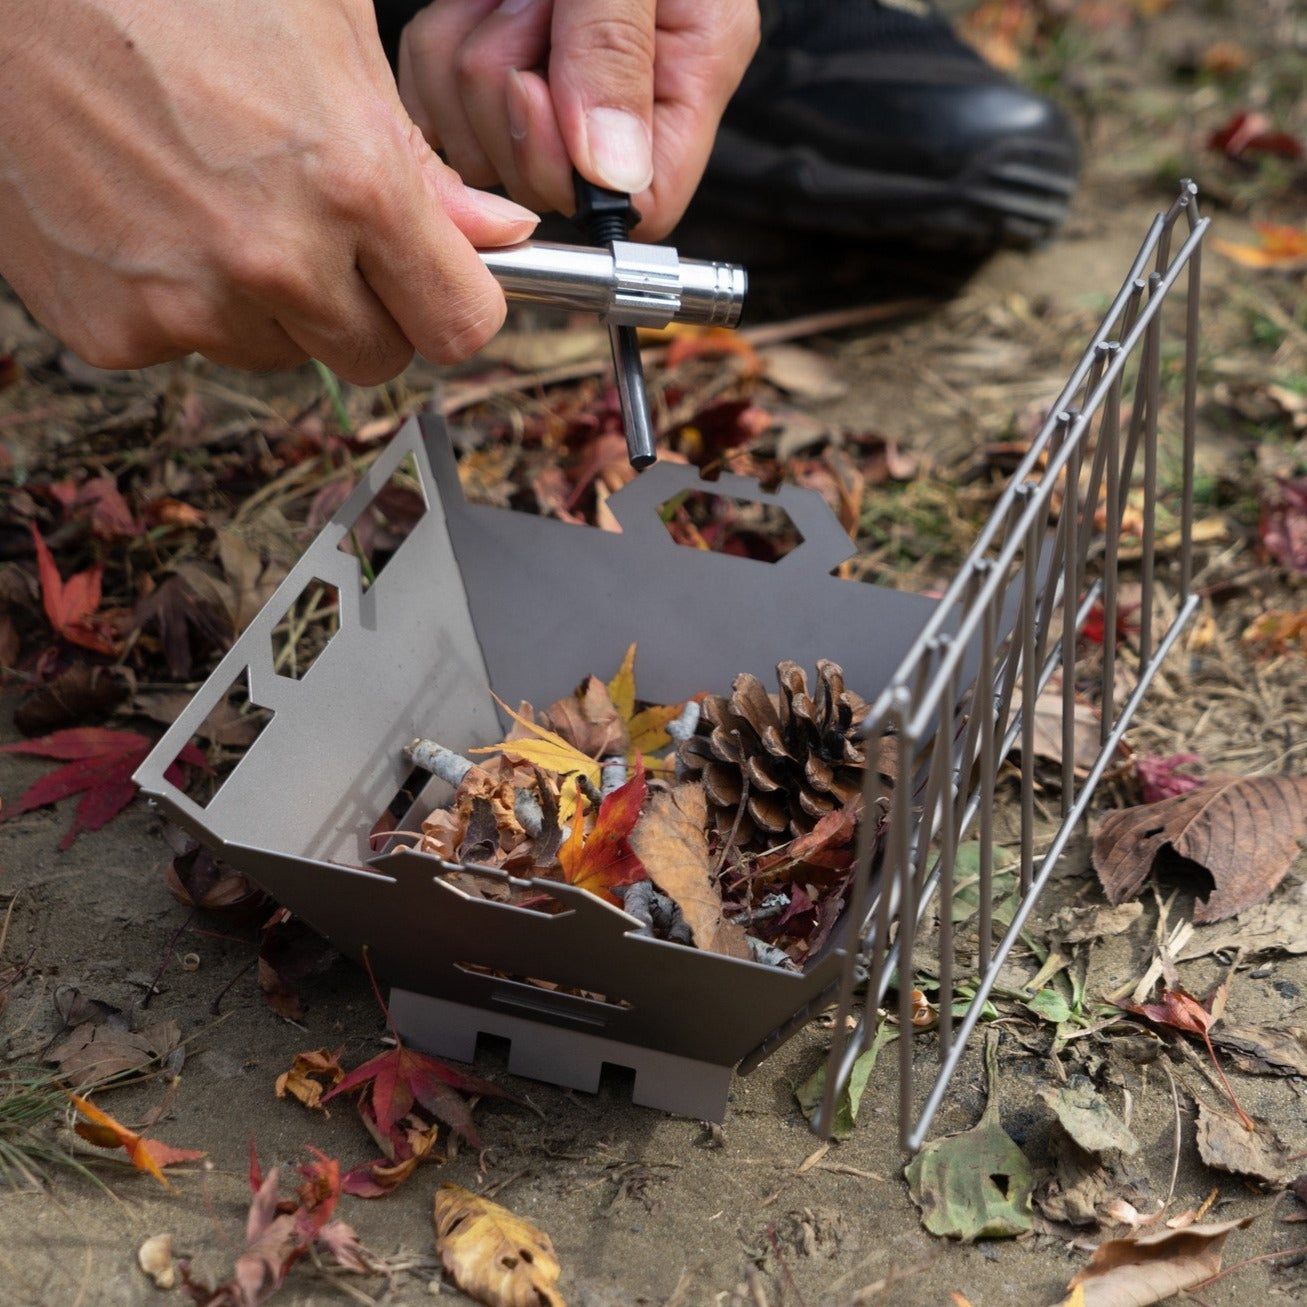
(479, 599)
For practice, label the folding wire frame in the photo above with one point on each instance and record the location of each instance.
(1048, 555)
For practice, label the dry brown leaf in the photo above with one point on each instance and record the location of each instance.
(1244, 831)
(302, 1081)
(671, 840)
(1136, 1271)
(1226, 1145)
(803, 372)
(99, 1052)
(1048, 728)
(1264, 1050)
(494, 1255)
(1276, 927)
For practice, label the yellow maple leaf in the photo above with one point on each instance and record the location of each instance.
(550, 752)
(621, 689)
(648, 727)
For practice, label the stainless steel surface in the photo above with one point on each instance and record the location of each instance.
(952, 735)
(629, 284)
(631, 394)
(479, 598)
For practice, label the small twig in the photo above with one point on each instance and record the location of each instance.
(1175, 1162)
(1248, 1261)
(163, 965)
(222, 993)
(441, 762)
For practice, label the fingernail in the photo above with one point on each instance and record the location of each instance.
(510, 7)
(620, 150)
(500, 208)
(517, 105)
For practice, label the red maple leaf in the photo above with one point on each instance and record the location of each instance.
(1284, 524)
(1180, 1010)
(400, 1078)
(98, 765)
(70, 605)
(605, 859)
(1250, 132)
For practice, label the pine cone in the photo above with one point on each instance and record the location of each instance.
(790, 758)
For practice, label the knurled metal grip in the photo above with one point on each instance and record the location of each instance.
(629, 284)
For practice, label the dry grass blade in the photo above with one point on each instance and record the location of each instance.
(32, 1103)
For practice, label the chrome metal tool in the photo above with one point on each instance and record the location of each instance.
(628, 285)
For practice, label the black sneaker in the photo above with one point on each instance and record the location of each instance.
(870, 119)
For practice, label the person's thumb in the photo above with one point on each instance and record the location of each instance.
(601, 71)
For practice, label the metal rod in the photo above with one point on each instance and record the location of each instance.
(990, 976)
(634, 285)
(634, 398)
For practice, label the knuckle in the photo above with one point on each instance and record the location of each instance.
(427, 34)
(475, 62)
(266, 271)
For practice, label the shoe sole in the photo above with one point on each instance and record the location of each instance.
(1014, 195)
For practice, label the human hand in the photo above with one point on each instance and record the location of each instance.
(630, 91)
(236, 178)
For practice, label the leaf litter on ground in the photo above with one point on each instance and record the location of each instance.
(148, 1155)
(1148, 1268)
(279, 1231)
(809, 1094)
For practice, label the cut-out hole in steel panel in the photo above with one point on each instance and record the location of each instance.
(720, 524)
(382, 527)
(231, 727)
(305, 630)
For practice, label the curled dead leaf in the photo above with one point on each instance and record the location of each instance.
(494, 1256)
(310, 1076)
(1148, 1268)
(154, 1257)
(1243, 831)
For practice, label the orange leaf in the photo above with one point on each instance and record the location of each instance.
(606, 859)
(166, 1155)
(104, 1132)
(690, 341)
(1279, 246)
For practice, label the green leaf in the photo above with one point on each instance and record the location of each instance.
(966, 894)
(1049, 1005)
(974, 1185)
(809, 1093)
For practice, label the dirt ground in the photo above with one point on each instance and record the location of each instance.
(645, 1208)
